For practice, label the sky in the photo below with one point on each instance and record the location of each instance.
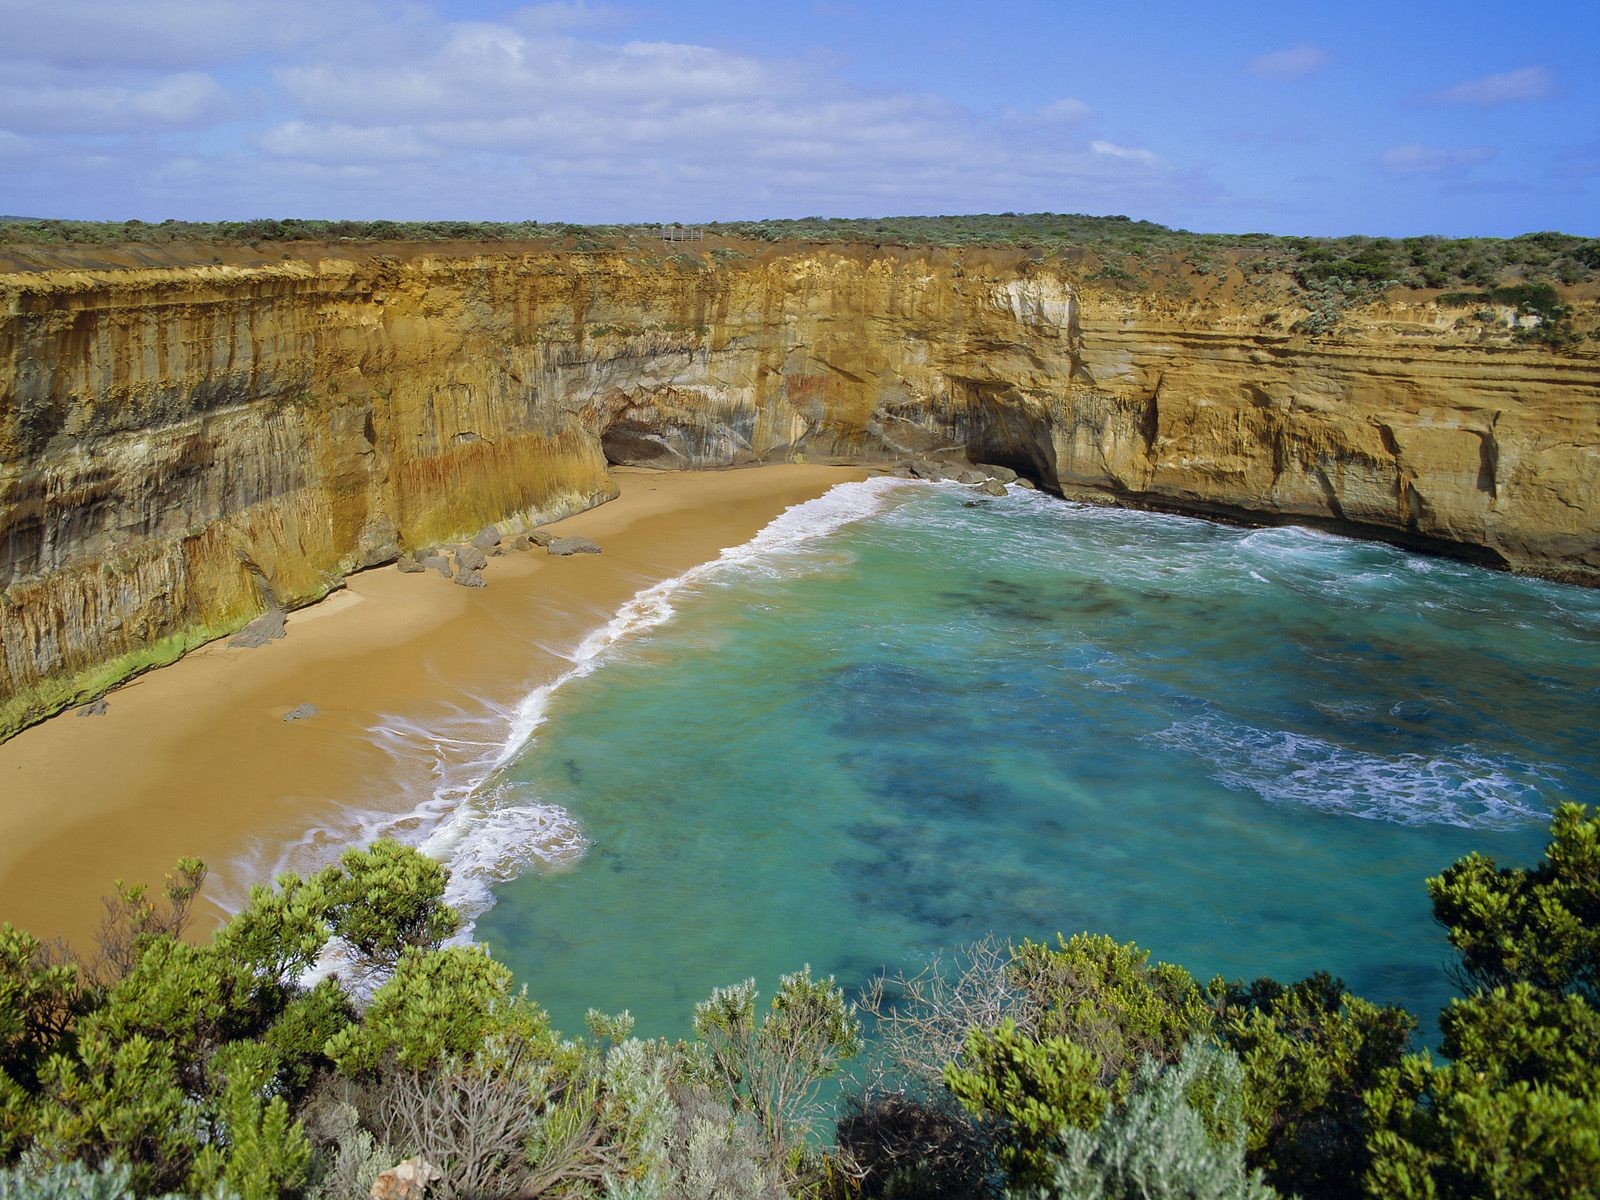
(1380, 118)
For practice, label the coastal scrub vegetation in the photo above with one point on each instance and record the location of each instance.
(327, 1038)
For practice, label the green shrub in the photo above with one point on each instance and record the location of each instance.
(1180, 1135)
(771, 1070)
(1515, 1109)
(1027, 1091)
(1109, 1000)
(1309, 1052)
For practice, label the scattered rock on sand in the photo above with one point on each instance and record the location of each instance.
(521, 542)
(572, 545)
(439, 563)
(471, 579)
(300, 712)
(488, 538)
(470, 558)
(539, 537)
(410, 566)
(265, 628)
(95, 708)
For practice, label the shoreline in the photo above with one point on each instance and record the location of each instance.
(196, 758)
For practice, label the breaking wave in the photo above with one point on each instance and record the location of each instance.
(488, 829)
(1461, 787)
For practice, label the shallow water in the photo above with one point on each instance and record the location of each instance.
(1243, 749)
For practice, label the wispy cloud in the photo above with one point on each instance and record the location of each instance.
(1417, 159)
(1525, 83)
(1293, 62)
(1069, 111)
(1127, 153)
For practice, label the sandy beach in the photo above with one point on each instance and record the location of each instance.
(196, 758)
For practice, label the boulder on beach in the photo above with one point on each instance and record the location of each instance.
(538, 537)
(470, 579)
(439, 563)
(992, 487)
(488, 538)
(970, 476)
(572, 545)
(265, 628)
(410, 566)
(1003, 474)
(470, 558)
(300, 712)
(1026, 483)
(521, 542)
(923, 468)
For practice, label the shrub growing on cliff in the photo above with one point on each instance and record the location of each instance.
(1309, 1053)
(771, 1069)
(1179, 1135)
(1515, 1108)
(182, 1060)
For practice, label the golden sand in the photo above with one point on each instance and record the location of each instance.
(197, 759)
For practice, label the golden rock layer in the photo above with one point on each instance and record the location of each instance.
(181, 446)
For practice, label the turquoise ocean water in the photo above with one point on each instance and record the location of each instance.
(900, 720)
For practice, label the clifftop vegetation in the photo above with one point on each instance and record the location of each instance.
(1078, 1069)
(1421, 262)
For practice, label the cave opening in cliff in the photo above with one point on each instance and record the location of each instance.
(1001, 431)
(629, 443)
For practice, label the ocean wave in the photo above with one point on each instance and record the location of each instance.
(486, 828)
(1460, 786)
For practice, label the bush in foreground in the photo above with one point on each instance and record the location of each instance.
(1074, 1069)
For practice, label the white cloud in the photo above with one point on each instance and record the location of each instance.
(1525, 83)
(1130, 154)
(539, 114)
(45, 100)
(1293, 62)
(174, 34)
(1417, 159)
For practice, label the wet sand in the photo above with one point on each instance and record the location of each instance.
(196, 758)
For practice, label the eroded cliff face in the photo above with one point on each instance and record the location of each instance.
(181, 446)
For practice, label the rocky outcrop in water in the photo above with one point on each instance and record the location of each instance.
(182, 447)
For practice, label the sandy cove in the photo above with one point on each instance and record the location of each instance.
(196, 758)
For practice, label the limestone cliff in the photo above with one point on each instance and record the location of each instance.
(180, 445)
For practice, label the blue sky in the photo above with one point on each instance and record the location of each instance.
(1462, 118)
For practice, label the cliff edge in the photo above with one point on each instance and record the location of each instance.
(183, 444)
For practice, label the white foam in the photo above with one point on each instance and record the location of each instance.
(488, 829)
(1461, 786)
